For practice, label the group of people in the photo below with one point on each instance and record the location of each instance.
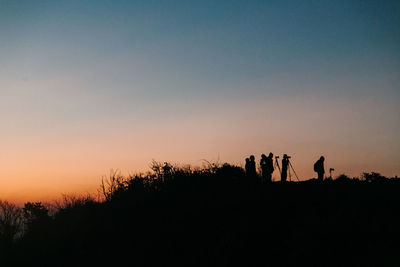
(267, 167)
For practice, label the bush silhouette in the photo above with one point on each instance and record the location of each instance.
(373, 177)
(215, 215)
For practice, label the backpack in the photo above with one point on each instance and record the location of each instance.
(316, 166)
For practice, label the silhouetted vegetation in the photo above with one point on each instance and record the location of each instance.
(213, 215)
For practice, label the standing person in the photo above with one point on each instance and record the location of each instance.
(252, 167)
(285, 163)
(247, 167)
(270, 167)
(319, 168)
(264, 168)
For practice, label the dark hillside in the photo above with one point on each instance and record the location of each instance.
(218, 217)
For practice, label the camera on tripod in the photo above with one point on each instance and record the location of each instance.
(286, 166)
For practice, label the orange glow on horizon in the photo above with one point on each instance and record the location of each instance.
(43, 166)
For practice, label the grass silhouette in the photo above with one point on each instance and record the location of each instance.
(213, 215)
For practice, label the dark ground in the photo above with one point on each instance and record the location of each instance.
(219, 218)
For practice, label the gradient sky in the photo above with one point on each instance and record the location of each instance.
(86, 86)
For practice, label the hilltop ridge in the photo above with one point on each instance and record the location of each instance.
(214, 216)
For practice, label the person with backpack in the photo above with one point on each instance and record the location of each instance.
(319, 168)
(263, 165)
(267, 167)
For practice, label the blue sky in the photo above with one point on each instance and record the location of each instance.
(204, 78)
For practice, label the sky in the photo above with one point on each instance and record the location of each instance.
(89, 86)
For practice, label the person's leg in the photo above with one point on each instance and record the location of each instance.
(283, 176)
(269, 177)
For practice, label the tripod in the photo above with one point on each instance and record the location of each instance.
(290, 175)
(277, 164)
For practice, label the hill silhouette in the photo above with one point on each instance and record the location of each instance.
(213, 216)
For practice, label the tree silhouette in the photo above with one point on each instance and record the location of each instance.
(11, 223)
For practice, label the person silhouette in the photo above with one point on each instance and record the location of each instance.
(252, 167)
(319, 168)
(270, 167)
(285, 163)
(264, 168)
(247, 167)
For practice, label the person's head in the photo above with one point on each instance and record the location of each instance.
(322, 158)
(285, 156)
(247, 159)
(252, 158)
(270, 155)
(263, 156)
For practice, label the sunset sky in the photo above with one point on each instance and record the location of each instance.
(86, 86)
